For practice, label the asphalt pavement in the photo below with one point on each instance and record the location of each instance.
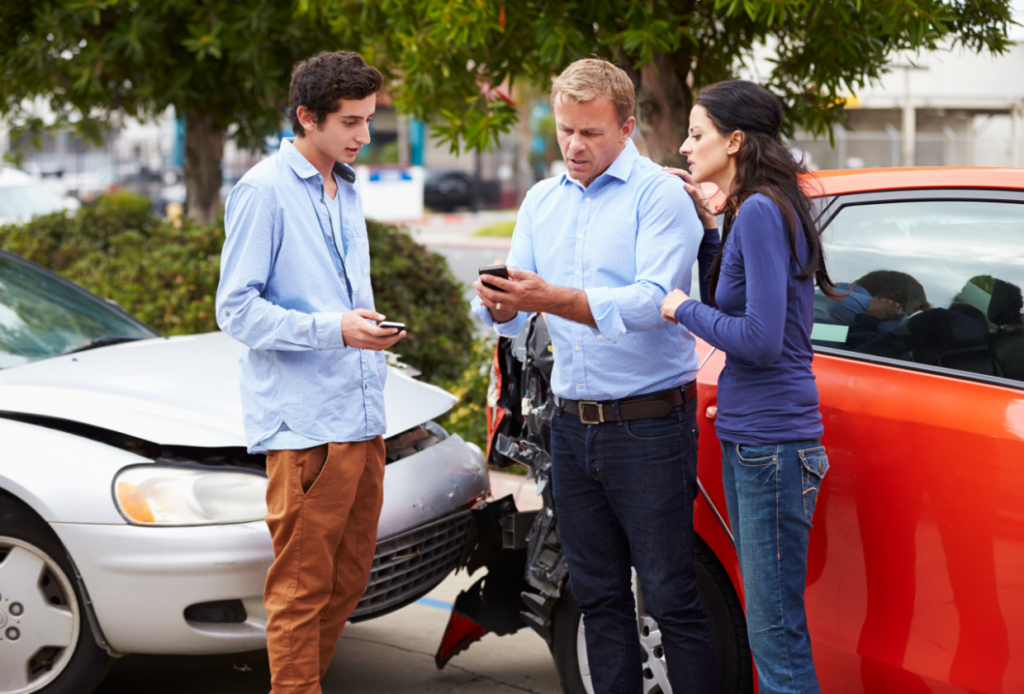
(452, 236)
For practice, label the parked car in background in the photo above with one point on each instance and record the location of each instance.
(131, 516)
(444, 190)
(23, 196)
(913, 581)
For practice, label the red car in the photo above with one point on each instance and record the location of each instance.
(916, 569)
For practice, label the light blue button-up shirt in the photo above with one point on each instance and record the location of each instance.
(626, 240)
(286, 281)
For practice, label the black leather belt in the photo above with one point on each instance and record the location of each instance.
(648, 406)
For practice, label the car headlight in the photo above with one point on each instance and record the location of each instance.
(169, 495)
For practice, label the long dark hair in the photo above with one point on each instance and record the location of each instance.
(764, 165)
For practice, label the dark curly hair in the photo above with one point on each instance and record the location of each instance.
(319, 82)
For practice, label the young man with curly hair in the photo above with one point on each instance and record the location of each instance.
(295, 291)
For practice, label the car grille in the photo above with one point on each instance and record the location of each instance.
(407, 566)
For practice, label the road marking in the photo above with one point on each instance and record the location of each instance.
(430, 602)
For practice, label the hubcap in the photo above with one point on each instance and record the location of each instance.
(652, 653)
(39, 618)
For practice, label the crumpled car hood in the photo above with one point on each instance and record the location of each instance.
(174, 391)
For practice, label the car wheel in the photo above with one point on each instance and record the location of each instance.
(724, 611)
(46, 644)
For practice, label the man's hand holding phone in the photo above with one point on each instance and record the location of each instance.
(506, 291)
(359, 333)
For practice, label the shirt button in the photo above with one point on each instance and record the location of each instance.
(577, 348)
(577, 272)
(588, 199)
(580, 235)
(579, 385)
(366, 386)
(341, 274)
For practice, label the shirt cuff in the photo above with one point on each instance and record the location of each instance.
(606, 314)
(683, 313)
(509, 329)
(328, 330)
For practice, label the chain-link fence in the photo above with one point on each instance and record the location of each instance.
(867, 149)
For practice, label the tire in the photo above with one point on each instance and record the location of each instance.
(72, 663)
(727, 623)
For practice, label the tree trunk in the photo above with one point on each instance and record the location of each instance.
(204, 151)
(524, 96)
(663, 103)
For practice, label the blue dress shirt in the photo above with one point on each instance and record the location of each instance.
(627, 240)
(286, 280)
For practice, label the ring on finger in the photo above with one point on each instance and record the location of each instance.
(498, 306)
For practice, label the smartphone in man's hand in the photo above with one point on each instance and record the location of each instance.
(392, 325)
(497, 271)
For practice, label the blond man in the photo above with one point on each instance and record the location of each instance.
(597, 249)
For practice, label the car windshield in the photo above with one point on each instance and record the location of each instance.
(41, 316)
(23, 202)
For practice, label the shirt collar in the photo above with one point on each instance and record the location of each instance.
(620, 168)
(303, 169)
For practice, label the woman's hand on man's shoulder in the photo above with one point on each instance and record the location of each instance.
(704, 209)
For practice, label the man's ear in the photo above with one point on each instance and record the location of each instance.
(627, 129)
(735, 141)
(306, 118)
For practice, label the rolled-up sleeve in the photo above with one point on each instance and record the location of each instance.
(245, 266)
(519, 256)
(668, 238)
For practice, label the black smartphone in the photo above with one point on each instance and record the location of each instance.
(497, 271)
(392, 325)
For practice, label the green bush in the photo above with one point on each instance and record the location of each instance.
(167, 276)
(163, 275)
(415, 286)
(469, 418)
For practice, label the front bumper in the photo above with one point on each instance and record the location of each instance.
(141, 579)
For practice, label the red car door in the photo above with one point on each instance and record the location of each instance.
(917, 553)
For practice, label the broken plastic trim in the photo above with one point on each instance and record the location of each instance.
(492, 604)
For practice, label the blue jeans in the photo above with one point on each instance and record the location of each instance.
(624, 495)
(771, 492)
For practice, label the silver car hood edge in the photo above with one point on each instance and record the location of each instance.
(174, 391)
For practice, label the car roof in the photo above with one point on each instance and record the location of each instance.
(840, 182)
(12, 178)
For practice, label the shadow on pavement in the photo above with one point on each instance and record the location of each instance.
(238, 673)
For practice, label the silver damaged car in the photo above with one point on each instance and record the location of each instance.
(131, 516)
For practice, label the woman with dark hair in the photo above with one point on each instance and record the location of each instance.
(760, 313)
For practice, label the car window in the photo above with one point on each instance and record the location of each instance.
(934, 282)
(41, 316)
(23, 202)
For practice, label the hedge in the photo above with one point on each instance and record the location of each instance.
(167, 275)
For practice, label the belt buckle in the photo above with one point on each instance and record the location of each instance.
(600, 412)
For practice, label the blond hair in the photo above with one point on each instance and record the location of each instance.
(592, 78)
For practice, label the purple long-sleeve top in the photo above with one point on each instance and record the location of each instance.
(766, 392)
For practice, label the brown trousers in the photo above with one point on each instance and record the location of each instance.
(323, 504)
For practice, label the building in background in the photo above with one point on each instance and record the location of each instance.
(943, 108)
